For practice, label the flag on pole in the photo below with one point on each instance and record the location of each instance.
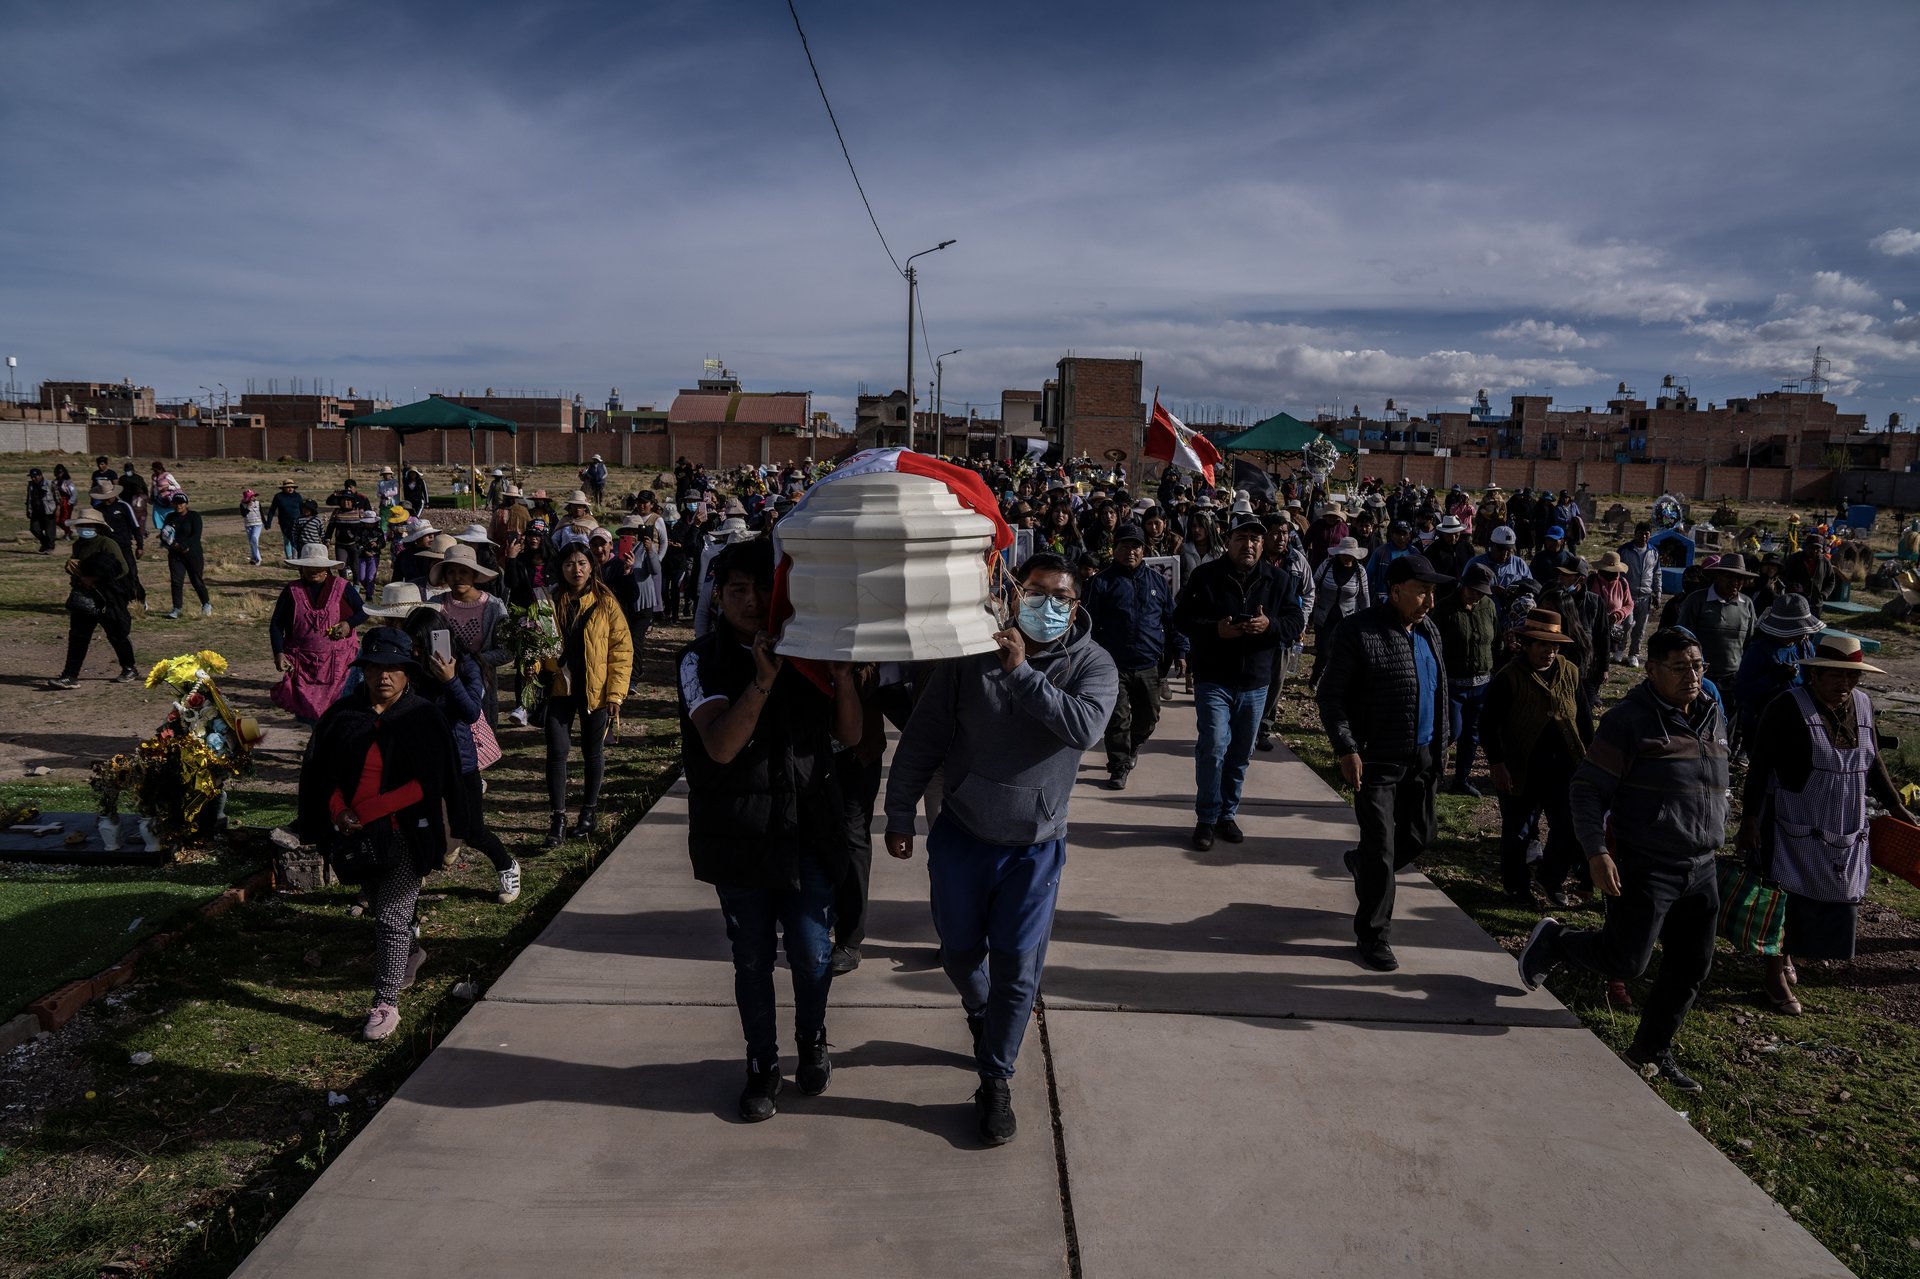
(1171, 440)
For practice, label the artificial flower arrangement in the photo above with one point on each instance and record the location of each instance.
(177, 777)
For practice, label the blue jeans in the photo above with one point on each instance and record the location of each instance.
(993, 908)
(1465, 704)
(253, 543)
(805, 916)
(1228, 718)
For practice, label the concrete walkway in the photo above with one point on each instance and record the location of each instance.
(1220, 1089)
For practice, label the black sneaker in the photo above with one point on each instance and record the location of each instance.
(815, 1066)
(126, 676)
(1346, 859)
(762, 1090)
(59, 682)
(993, 1107)
(1662, 1066)
(1461, 786)
(1537, 956)
(845, 960)
(1203, 836)
(1264, 742)
(1378, 956)
(1117, 781)
(1230, 831)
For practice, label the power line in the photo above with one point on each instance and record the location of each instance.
(804, 48)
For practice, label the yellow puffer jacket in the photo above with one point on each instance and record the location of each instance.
(606, 643)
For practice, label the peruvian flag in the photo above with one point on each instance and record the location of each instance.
(1171, 440)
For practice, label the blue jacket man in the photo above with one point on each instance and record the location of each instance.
(1131, 608)
(1009, 729)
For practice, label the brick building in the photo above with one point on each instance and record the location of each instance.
(719, 424)
(308, 410)
(1098, 410)
(531, 412)
(79, 401)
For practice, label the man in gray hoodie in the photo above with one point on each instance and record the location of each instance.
(1009, 729)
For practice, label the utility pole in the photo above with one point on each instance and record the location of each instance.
(913, 279)
(939, 405)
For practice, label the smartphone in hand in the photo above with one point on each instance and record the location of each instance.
(441, 643)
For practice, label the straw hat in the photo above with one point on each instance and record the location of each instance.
(579, 498)
(1544, 624)
(414, 530)
(435, 546)
(313, 555)
(462, 554)
(89, 517)
(397, 599)
(476, 534)
(509, 490)
(1611, 563)
(386, 472)
(1790, 618)
(732, 529)
(397, 515)
(1349, 547)
(104, 491)
(1840, 652)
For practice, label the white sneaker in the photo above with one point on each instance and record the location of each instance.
(518, 715)
(206, 610)
(1634, 662)
(509, 883)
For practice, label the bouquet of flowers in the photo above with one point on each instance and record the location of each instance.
(532, 638)
(177, 776)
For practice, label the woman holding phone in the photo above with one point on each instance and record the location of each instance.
(473, 615)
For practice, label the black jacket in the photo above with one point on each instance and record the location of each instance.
(415, 745)
(749, 820)
(1369, 692)
(1215, 592)
(1658, 775)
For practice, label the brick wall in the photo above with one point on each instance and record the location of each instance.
(1101, 408)
(1634, 479)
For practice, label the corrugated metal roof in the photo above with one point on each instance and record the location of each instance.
(741, 407)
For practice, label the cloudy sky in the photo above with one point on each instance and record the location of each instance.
(1279, 205)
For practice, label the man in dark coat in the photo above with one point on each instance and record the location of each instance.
(1383, 700)
(1131, 608)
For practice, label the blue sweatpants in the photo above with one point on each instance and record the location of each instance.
(993, 908)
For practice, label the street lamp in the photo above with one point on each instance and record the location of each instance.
(223, 397)
(912, 280)
(939, 409)
(209, 391)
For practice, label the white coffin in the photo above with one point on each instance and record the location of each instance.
(887, 567)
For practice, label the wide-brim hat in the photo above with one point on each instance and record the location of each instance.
(104, 491)
(397, 600)
(387, 646)
(732, 529)
(462, 554)
(509, 490)
(1840, 652)
(578, 498)
(1611, 563)
(89, 517)
(1349, 547)
(476, 534)
(1451, 524)
(1544, 624)
(1734, 563)
(1576, 567)
(1790, 617)
(397, 515)
(314, 555)
(386, 471)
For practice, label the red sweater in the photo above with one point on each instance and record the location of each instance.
(369, 802)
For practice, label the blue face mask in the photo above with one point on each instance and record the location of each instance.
(87, 532)
(1045, 618)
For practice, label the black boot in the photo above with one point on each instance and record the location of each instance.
(815, 1066)
(588, 821)
(556, 830)
(762, 1091)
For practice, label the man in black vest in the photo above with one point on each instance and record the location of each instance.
(764, 814)
(1384, 702)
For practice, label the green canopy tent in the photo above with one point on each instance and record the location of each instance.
(437, 413)
(1281, 433)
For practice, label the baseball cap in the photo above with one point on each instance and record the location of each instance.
(1557, 533)
(1502, 536)
(1478, 577)
(1414, 568)
(1249, 522)
(1132, 533)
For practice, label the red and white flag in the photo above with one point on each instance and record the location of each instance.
(1171, 440)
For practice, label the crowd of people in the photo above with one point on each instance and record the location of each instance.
(1443, 627)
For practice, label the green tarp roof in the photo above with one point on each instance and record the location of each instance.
(435, 413)
(1281, 433)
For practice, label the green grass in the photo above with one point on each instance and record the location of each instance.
(65, 924)
(180, 1166)
(1819, 1110)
